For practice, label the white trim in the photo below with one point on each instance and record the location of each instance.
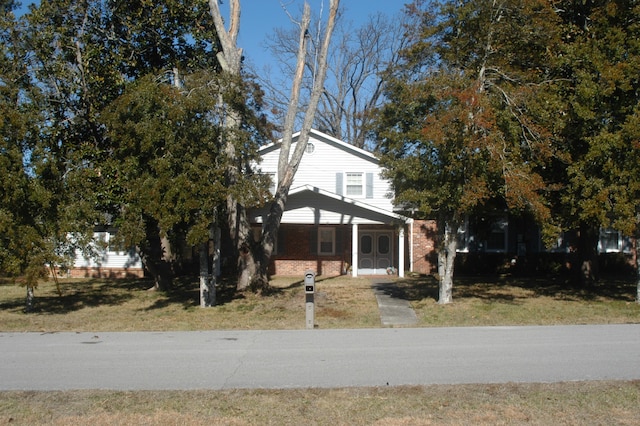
(354, 250)
(401, 252)
(345, 183)
(353, 201)
(319, 135)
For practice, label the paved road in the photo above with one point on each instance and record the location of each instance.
(317, 358)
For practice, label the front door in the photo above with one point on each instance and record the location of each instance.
(375, 252)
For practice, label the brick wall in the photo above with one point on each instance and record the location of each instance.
(106, 273)
(424, 233)
(295, 256)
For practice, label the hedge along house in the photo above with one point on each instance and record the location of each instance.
(339, 216)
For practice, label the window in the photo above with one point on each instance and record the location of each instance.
(384, 244)
(272, 182)
(366, 244)
(326, 241)
(354, 184)
(463, 237)
(612, 241)
(310, 148)
(497, 239)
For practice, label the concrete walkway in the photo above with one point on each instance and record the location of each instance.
(394, 307)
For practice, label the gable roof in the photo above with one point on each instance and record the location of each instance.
(318, 135)
(316, 205)
(341, 198)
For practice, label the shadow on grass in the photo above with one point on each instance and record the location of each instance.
(77, 295)
(509, 289)
(186, 292)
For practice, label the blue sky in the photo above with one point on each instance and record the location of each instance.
(259, 18)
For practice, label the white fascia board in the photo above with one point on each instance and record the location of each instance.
(344, 199)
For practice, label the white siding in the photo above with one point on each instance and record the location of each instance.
(330, 157)
(107, 258)
(309, 207)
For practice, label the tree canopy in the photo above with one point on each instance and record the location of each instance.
(462, 124)
(113, 117)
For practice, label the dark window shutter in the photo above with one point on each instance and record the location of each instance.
(313, 240)
(369, 188)
(339, 184)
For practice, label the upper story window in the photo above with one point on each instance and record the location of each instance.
(354, 184)
(272, 182)
(310, 148)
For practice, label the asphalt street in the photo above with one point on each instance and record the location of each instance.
(317, 358)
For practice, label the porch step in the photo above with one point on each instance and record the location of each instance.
(394, 307)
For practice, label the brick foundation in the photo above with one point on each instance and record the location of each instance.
(106, 273)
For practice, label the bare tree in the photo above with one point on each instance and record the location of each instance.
(355, 80)
(254, 259)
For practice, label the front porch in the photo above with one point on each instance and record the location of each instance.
(332, 250)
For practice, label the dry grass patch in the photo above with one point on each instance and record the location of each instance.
(576, 403)
(128, 305)
(522, 301)
(341, 302)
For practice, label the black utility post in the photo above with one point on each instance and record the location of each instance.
(309, 290)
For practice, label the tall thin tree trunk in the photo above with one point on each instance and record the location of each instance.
(588, 255)
(154, 257)
(288, 164)
(30, 300)
(230, 59)
(207, 279)
(637, 253)
(253, 259)
(446, 260)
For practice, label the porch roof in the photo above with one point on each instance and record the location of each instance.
(308, 204)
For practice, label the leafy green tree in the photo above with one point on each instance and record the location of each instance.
(166, 165)
(36, 212)
(598, 176)
(464, 122)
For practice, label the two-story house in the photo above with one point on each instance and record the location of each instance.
(339, 217)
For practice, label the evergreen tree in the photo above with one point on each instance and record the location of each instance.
(464, 123)
(598, 176)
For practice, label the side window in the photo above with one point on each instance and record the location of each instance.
(497, 239)
(273, 182)
(326, 241)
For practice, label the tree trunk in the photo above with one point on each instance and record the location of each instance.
(288, 164)
(30, 301)
(446, 260)
(637, 246)
(253, 259)
(588, 255)
(246, 267)
(153, 256)
(207, 280)
(230, 60)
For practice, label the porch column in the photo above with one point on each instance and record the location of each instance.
(401, 252)
(354, 250)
